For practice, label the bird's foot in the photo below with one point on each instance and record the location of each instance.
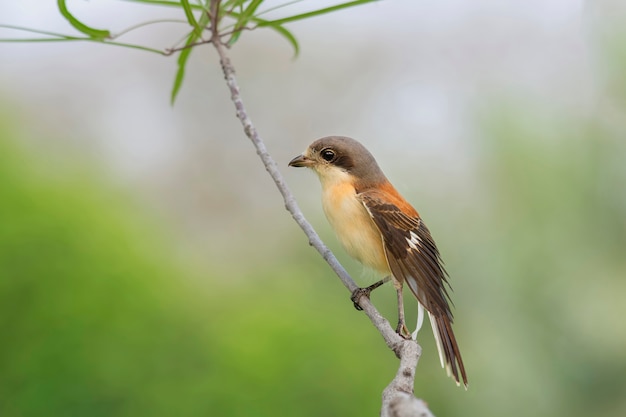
(356, 294)
(403, 331)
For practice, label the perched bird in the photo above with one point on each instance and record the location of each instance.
(380, 229)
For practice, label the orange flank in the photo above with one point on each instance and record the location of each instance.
(393, 196)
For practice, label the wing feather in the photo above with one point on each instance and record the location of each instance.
(414, 258)
(412, 253)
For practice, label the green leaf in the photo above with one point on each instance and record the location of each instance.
(281, 31)
(277, 25)
(249, 11)
(184, 56)
(243, 19)
(289, 36)
(80, 26)
(59, 37)
(54, 36)
(164, 3)
(316, 12)
(191, 18)
(232, 3)
(261, 22)
(180, 73)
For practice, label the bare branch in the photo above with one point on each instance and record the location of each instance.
(214, 17)
(398, 398)
(171, 51)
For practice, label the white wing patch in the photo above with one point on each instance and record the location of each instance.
(414, 242)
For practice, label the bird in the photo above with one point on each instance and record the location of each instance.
(381, 230)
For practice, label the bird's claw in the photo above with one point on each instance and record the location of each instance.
(403, 331)
(357, 294)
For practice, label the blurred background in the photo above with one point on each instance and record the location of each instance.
(147, 265)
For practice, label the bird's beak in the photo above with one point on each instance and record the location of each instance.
(301, 161)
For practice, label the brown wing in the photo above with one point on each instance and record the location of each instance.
(411, 252)
(413, 258)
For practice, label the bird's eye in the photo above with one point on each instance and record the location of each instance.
(327, 154)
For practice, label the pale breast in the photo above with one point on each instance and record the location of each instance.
(353, 225)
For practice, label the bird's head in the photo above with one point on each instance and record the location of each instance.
(339, 158)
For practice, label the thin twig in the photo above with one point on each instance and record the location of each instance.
(214, 18)
(237, 30)
(171, 51)
(143, 24)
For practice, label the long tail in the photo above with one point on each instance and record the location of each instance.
(449, 353)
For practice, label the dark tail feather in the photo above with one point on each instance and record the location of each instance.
(449, 353)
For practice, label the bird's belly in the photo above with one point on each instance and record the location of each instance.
(354, 227)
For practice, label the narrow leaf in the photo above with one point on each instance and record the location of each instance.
(289, 36)
(191, 18)
(39, 32)
(277, 27)
(243, 20)
(59, 37)
(80, 26)
(249, 11)
(180, 72)
(184, 56)
(316, 12)
(164, 3)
